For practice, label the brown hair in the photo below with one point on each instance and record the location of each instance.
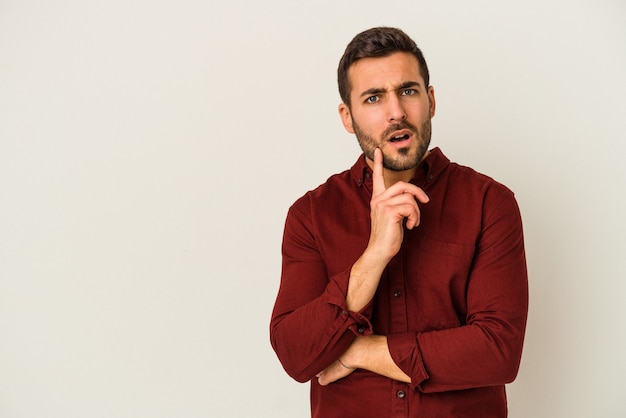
(374, 43)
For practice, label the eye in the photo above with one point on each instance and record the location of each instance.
(408, 92)
(372, 99)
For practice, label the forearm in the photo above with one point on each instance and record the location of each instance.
(372, 353)
(369, 353)
(364, 278)
(485, 348)
(459, 358)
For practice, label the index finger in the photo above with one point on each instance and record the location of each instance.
(378, 179)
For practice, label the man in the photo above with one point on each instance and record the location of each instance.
(404, 287)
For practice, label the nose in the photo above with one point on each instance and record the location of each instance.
(395, 110)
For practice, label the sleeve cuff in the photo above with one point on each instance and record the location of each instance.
(358, 322)
(405, 352)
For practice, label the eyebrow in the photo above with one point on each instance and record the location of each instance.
(378, 90)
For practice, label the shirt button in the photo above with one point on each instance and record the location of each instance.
(400, 394)
(397, 293)
(360, 330)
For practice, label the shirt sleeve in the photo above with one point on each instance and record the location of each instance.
(311, 325)
(486, 350)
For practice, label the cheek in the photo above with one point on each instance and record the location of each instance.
(370, 122)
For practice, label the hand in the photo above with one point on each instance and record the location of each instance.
(337, 370)
(370, 352)
(390, 207)
(345, 364)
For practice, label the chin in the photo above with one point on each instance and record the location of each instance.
(405, 160)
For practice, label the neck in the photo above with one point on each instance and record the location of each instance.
(392, 177)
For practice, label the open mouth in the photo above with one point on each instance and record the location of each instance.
(398, 138)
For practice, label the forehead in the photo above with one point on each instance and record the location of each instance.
(384, 72)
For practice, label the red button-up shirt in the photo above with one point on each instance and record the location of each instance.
(452, 303)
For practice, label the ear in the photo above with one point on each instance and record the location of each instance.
(432, 104)
(346, 117)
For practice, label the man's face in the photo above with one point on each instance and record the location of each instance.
(390, 109)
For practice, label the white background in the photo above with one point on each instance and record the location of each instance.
(149, 151)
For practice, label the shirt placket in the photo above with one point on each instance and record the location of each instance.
(398, 324)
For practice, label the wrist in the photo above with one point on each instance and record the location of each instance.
(362, 351)
(344, 365)
(375, 258)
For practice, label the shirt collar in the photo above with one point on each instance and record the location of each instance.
(427, 171)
